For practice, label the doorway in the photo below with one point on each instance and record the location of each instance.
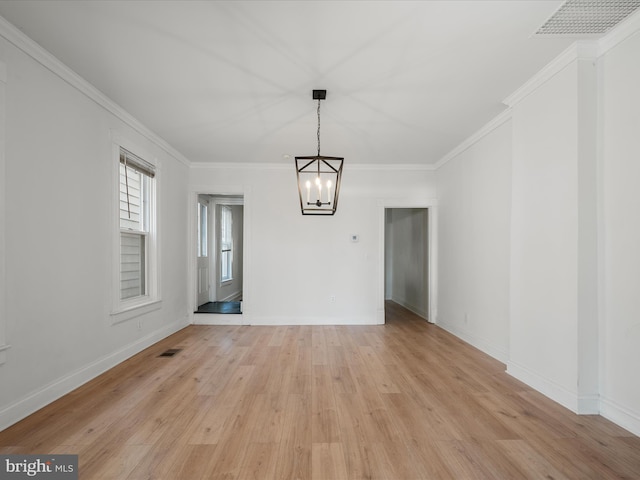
(406, 258)
(219, 251)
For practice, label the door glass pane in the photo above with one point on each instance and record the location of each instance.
(202, 230)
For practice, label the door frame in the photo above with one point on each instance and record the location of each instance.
(430, 204)
(217, 318)
(209, 249)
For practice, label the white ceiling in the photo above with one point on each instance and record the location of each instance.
(231, 81)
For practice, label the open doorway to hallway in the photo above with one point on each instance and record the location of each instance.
(406, 258)
(219, 252)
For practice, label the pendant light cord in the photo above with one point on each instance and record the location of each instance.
(318, 127)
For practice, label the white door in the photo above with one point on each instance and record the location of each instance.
(203, 252)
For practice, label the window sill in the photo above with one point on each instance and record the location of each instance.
(128, 311)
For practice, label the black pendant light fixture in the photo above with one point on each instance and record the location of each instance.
(319, 177)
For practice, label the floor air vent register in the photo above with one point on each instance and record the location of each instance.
(170, 353)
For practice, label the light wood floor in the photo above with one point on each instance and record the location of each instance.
(401, 401)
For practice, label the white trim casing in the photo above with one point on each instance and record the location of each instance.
(431, 205)
(3, 345)
(219, 319)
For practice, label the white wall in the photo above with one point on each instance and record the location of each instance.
(545, 235)
(406, 258)
(58, 218)
(553, 330)
(566, 313)
(620, 329)
(474, 192)
(294, 264)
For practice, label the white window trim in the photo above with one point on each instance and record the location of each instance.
(229, 279)
(3, 345)
(122, 310)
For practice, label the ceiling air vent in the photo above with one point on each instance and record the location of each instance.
(587, 17)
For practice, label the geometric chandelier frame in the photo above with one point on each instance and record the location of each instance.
(319, 177)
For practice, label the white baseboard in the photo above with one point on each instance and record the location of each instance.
(234, 297)
(551, 389)
(481, 344)
(580, 404)
(245, 319)
(622, 416)
(220, 319)
(412, 308)
(313, 321)
(53, 391)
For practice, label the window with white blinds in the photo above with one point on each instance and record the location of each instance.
(226, 243)
(136, 183)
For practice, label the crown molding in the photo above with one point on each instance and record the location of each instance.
(591, 49)
(16, 37)
(287, 166)
(587, 49)
(628, 27)
(403, 167)
(242, 165)
(581, 49)
(479, 135)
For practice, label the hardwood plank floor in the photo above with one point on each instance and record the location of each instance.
(400, 401)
